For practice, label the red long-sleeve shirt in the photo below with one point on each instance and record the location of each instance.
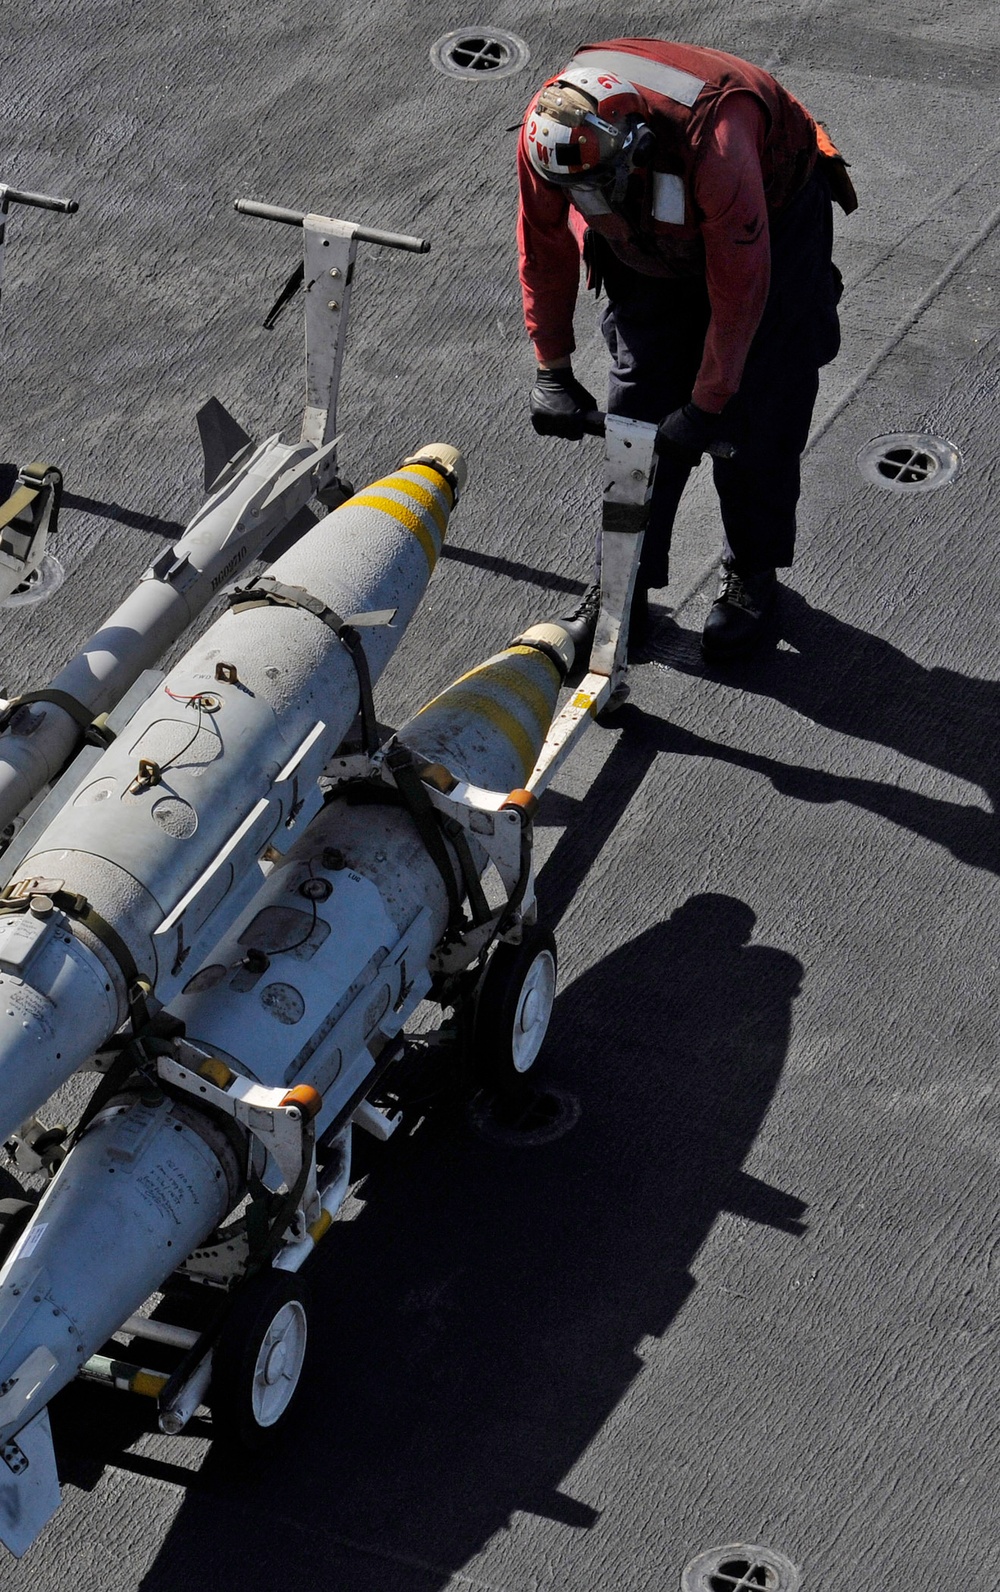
(731, 249)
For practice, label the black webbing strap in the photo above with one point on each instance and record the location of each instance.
(265, 590)
(263, 1246)
(421, 809)
(112, 1082)
(18, 897)
(453, 830)
(94, 734)
(517, 894)
(410, 793)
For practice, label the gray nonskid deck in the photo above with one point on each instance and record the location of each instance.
(751, 1296)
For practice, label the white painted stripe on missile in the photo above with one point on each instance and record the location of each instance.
(407, 516)
(214, 866)
(296, 757)
(24, 1383)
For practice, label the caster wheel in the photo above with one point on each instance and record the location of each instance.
(17, 1206)
(258, 1361)
(15, 1215)
(513, 1007)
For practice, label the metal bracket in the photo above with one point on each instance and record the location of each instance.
(330, 248)
(482, 816)
(629, 465)
(269, 1115)
(27, 519)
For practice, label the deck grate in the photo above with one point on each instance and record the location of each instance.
(479, 52)
(909, 461)
(740, 1567)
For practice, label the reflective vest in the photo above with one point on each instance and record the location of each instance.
(681, 87)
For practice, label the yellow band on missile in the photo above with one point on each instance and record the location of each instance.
(320, 1226)
(419, 494)
(436, 479)
(148, 1384)
(413, 523)
(465, 700)
(517, 682)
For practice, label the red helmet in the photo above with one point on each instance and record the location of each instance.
(580, 126)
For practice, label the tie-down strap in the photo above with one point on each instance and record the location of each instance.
(94, 732)
(41, 895)
(32, 481)
(266, 591)
(433, 827)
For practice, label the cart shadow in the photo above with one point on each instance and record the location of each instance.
(479, 1319)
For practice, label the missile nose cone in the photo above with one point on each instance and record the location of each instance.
(448, 461)
(553, 636)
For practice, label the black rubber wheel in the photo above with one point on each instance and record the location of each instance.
(513, 1007)
(15, 1215)
(259, 1360)
(17, 1206)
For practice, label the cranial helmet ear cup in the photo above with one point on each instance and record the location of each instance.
(643, 144)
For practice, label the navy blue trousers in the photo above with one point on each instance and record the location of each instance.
(655, 330)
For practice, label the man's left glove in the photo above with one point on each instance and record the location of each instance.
(559, 403)
(687, 432)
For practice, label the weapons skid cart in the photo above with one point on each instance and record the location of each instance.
(29, 517)
(50, 739)
(378, 906)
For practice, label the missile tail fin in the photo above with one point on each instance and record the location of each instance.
(29, 1484)
(223, 441)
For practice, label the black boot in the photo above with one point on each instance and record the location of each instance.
(580, 625)
(739, 614)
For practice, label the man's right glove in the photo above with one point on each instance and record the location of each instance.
(559, 403)
(687, 433)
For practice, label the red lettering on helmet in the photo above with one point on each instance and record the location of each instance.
(610, 82)
(532, 130)
(542, 151)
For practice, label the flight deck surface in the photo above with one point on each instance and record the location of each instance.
(751, 1295)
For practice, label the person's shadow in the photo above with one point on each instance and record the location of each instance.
(855, 683)
(480, 1319)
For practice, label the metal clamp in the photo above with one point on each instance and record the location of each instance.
(280, 1119)
(27, 519)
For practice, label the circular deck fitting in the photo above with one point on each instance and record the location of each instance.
(740, 1567)
(478, 52)
(40, 584)
(524, 1118)
(909, 462)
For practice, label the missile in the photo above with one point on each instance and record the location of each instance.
(302, 1000)
(169, 834)
(255, 495)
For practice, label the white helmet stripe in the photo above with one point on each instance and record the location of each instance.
(669, 81)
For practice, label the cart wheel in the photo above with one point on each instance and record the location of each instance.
(17, 1207)
(15, 1214)
(513, 1008)
(258, 1360)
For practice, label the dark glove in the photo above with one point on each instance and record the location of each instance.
(686, 433)
(559, 403)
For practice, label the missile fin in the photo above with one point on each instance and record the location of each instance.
(29, 1484)
(223, 440)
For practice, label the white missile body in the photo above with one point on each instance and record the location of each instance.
(230, 530)
(169, 834)
(309, 987)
